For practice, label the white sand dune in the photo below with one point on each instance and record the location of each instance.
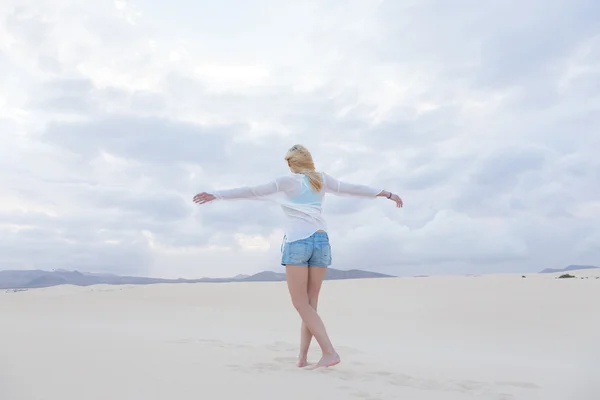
(447, 338)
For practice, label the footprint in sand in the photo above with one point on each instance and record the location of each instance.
(367, 396)
(281, 347)
(266, 367)
(262, 367)
(495, 391)
(209, 342)
(285, 360)
(522, 385)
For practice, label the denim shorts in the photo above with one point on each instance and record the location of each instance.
(313, 251)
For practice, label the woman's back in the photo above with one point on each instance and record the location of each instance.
(304, 205)
(301, 192)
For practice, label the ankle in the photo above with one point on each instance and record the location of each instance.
(329, 352)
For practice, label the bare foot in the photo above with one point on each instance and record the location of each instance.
(302, 361)
(328, 360)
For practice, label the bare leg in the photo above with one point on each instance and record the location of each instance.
(315, 280)
(297, 280)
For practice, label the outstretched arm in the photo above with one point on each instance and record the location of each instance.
(338, 187)
(244, 192)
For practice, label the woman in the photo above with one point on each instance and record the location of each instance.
(306, 252)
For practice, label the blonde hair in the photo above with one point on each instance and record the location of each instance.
(301, 162)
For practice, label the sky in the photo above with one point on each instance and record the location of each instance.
(483, 115)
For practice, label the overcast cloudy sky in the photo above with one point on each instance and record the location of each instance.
(484, 115)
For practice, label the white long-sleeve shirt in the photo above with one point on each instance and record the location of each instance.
(301, 205)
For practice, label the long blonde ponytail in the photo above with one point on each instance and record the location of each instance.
(301, 162)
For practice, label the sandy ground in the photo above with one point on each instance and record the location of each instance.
(447, 338)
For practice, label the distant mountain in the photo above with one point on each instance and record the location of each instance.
(567, 269)
(39, 278)
(48, 280)
(266, 276)
(335, 274)
(330, 274)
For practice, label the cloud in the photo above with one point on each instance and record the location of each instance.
(147, 140)
(113, 115)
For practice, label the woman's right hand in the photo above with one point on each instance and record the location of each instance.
(203, 197)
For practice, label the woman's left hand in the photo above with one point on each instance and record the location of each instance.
(395, 198)
(202, 198)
